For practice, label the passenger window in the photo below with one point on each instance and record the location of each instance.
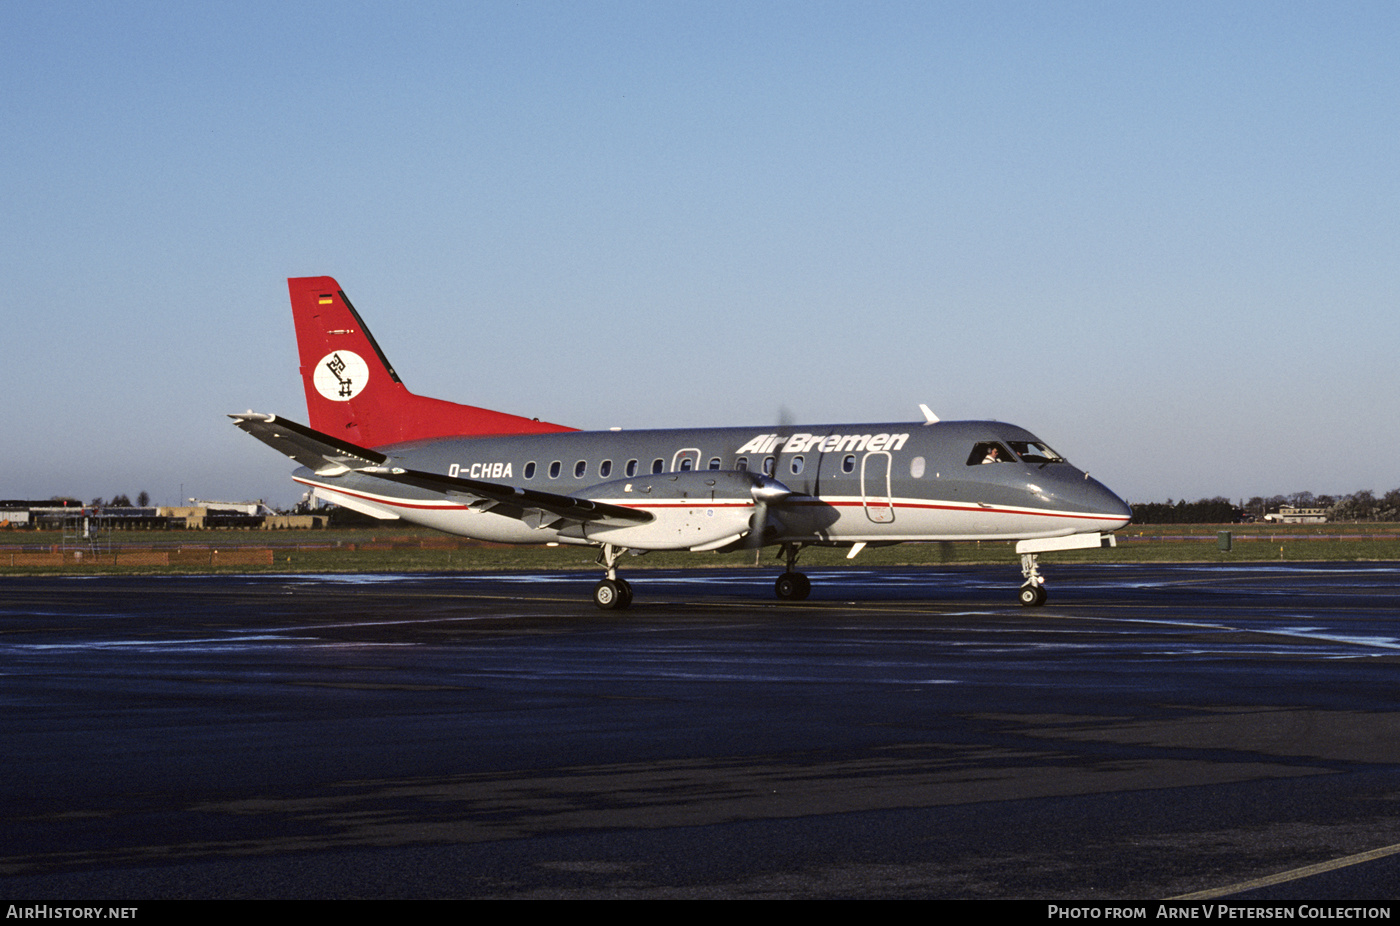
(658, 465)
(742, 464)
(796, 465)
(714, 462)
(767, 466)
(605, 469)
(848, 463)
(530, 470)
(580, 468)
(554, 469)
(916, 467)
(687, 464)
(989, 452)
(631, 468)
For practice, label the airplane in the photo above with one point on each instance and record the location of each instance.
(376, 448)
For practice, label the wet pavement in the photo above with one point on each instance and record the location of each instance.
(1153, 731)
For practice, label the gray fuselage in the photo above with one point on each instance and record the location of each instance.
(886, 482)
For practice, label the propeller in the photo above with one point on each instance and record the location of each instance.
(765, 491)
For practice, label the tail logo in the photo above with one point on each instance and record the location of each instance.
(341, 375)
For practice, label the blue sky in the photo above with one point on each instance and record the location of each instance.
(1164, 237)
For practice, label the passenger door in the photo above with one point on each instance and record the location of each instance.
(875, 486)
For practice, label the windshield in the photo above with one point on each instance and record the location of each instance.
(1035, 452)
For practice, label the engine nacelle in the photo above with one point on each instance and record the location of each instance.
(692, 510)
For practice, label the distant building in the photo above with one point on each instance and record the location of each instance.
(249, 508)
(16, 512)
(74, 516)
(1290, 514)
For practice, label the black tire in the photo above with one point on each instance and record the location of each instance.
(1032, 596)
(626, 588)
(609, 596)
(792, 586)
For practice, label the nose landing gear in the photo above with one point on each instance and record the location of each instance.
(1033, 592)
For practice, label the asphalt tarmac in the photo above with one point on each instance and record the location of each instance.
(1152, 732)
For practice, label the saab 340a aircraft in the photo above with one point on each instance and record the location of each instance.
(377, 448)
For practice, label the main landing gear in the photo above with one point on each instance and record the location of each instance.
(1032, 593)
(792, 585)
(613, 593)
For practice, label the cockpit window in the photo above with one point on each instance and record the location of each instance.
(1034, 452)
(989, 452)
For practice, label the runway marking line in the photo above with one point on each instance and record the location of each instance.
(1297, 873)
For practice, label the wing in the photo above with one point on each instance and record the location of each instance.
(329, 456)
(523, 504)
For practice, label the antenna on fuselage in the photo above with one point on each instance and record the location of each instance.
(929, 416)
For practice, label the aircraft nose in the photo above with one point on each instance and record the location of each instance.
(1103, 502)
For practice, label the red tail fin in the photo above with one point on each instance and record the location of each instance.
(353, 393)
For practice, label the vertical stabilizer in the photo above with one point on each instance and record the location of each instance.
(353, 393)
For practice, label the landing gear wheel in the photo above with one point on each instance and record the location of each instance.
(1033, 596)
(612, 595)
(793, 586)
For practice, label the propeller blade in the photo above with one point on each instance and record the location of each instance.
(765, 491)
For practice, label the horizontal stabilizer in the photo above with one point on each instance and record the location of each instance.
(327, 455)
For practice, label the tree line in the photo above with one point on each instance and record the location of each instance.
(1358, 506)
(120, 500)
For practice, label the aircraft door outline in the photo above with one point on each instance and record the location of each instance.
(689, 455)
(875, 486)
